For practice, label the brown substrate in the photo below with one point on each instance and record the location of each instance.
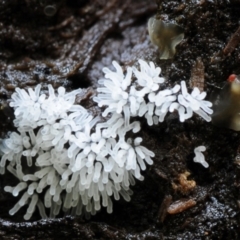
(69, 49)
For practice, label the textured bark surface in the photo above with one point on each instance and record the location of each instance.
(69, 49)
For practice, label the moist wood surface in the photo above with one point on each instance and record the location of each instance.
(69, 49)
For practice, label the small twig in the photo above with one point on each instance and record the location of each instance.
(162, 213)
(106, 9)
(232, 43)
(160, 173)
(217, 57)
(181, 205)
(62, 24)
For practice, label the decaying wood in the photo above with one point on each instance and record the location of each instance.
(232, 43)
(197, 75)
(181, 205)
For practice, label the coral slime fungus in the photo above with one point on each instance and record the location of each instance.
(79, 161)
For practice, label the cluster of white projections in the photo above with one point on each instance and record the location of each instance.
(62, 151)
(144, 96)
(66, 158)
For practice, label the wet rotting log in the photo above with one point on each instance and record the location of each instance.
(70, 49)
